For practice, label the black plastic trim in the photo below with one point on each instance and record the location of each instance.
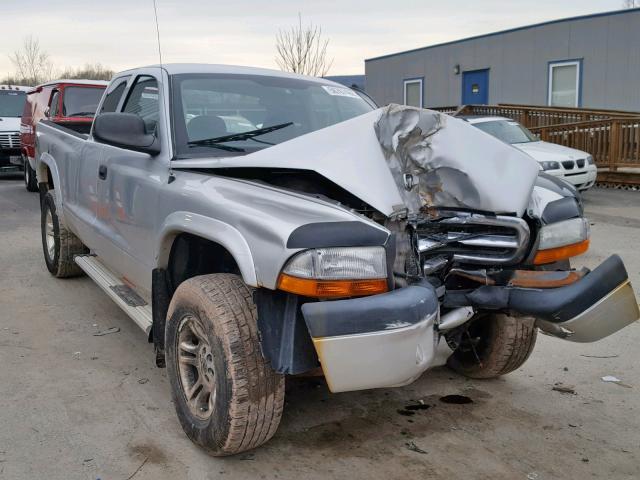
(83, 136)
(561, 209)
(336, 234)
(384, 312)
(555, 305)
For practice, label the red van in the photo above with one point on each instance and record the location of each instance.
(71, 103)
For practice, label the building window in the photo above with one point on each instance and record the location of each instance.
(413, 92)
(564, 84)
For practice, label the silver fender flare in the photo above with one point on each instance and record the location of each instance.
(211, 229)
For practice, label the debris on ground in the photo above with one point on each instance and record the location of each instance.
(406, 413)
(76, 355)
(107, 331)
(560, 387)
(142, 381)
(417, 406)
(616, 380)
(248, 456)
(414, 448)
(532, 476)
(600, 356)
(456, 399)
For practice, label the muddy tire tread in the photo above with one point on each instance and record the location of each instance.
(257, 393)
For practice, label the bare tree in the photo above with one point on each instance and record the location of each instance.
(89, 72)
(631, 4)
(301, 49)
(32, 64)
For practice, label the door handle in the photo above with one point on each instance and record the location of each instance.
(102, 172)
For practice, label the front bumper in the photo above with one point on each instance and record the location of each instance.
(581, 179)
(391, 339)
(383, 340)
(594, 307)
(10, 159)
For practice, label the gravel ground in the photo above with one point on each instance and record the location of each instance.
(78, 406)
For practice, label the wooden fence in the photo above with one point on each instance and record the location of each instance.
(612, 137)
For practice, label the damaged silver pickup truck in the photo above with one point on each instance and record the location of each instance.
(257, 223)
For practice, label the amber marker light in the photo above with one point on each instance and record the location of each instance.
(561, 253)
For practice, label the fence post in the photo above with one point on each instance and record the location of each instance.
(615, 140)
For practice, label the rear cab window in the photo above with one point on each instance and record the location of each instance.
(114, 94)
(81, 101)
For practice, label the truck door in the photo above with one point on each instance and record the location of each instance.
(83, 201)
(128, 187)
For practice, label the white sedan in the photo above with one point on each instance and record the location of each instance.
(575, 166)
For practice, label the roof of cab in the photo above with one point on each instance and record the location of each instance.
(15, 88)
(100, 83)
(180, 68)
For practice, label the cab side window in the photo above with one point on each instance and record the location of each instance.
(53, 105)
(143, 101)
(114, 94)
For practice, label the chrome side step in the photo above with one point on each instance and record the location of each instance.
(139, 311)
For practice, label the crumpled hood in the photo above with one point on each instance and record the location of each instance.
(545, 151)
(10, 124)
(401, 159)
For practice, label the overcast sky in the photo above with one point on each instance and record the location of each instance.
(121, 34)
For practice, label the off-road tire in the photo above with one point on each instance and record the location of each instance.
(30, 180)
(249, 395)
(66, 244)
(505, 344)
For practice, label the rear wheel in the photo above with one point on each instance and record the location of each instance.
(493, 344)
(227, 397)
(30, 180)
(59, 244)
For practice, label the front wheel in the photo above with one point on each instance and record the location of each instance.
(493, 344)
(227, 397)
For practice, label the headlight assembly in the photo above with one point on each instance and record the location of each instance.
(562, 240)
(336, 272)
(548, 165)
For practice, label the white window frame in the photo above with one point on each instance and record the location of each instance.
(552, 65)
(418, 81)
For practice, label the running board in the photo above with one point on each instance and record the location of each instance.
(124, 296)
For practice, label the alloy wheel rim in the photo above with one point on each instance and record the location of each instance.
(50, 239)
(196, 367)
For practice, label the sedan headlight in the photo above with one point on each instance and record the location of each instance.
(336, 272)
(590, 160)
(562, 240)
(548, 165)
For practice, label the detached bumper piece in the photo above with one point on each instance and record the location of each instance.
(592, 308)
(383, 340)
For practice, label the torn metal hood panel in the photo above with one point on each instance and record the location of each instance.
(403, 159)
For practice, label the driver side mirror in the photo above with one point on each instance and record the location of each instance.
(125, 130)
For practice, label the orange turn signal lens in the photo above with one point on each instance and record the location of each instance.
(561, 253)
(310, 287)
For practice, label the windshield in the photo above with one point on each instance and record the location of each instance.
(221, 107)
(12, 103)
(508, 131)
(81, 101)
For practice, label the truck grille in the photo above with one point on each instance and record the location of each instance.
(10, 140)
(476, 239)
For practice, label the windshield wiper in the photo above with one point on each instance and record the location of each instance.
(238, 136)
(228, 148)
(82, 114)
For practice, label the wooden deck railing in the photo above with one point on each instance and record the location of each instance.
(533, 116)
(613, 142)
(612, 137)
